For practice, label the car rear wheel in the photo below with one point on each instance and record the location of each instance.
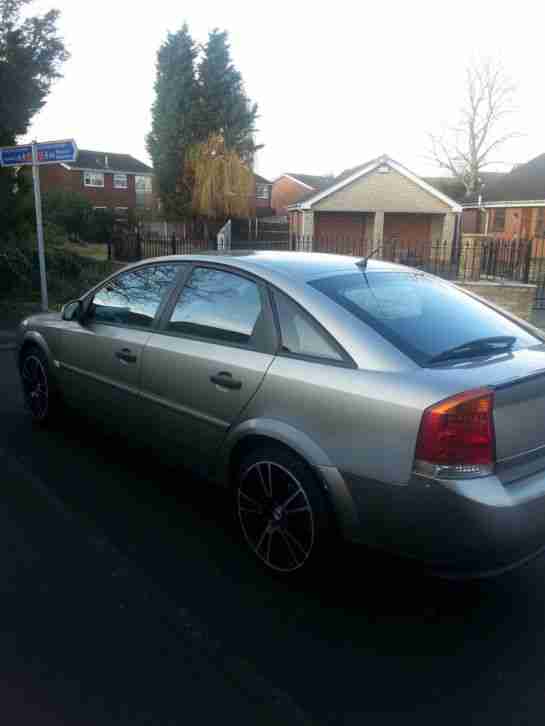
(36, 385)
(282, 510)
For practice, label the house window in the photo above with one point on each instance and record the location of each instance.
(262, 191)
(120, 181)
(93, 178)
(540, 223)
(499, 220)
(143, 189)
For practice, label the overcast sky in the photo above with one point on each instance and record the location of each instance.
(337, 83)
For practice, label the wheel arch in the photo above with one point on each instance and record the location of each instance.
(255, 431)
(269, 431)
(34, 339)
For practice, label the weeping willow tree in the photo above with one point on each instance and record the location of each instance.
(222, 184)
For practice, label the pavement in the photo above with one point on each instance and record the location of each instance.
(128, 597)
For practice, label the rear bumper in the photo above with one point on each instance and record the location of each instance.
(469, 528)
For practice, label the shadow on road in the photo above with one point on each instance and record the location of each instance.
(370, 637)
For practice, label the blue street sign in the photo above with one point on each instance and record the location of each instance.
(50, 152)
(16, 155)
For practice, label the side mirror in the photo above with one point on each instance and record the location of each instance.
(72, 310)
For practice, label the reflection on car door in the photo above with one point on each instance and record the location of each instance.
(201, 369)
(100, 359)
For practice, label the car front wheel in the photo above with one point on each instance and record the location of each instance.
(282, 510)
(36, 385)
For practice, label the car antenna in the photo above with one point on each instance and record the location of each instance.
(363, 263)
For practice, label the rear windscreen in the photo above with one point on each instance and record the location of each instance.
(420, 315)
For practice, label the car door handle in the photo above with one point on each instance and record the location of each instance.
(126, 355)
(226, 380)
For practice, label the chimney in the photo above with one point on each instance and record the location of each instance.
(106, 160)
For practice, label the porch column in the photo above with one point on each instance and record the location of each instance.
(448, 227)
(378, 232)
(308, 224)
(378, 227)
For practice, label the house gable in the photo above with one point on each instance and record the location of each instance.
(385, 191)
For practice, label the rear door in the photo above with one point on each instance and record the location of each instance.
(100, 359)
(209, 357)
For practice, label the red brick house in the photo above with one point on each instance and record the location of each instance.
(114, 181)
(376, 201)
(290, 188)
(513, 205)
(263, 197)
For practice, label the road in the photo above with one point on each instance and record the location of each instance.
(375, 641)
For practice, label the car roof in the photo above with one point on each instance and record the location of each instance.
(299, 266)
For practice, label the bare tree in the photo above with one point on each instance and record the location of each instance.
(471, 145)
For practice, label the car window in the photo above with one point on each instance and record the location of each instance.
(218, 305)
(420, 315)
(299, 334)
(133, 298)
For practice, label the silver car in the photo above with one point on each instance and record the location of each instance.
(335, 396)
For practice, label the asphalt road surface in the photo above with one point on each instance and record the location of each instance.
(374, 641)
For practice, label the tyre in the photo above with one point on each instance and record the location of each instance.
(282, 510)
(37, 390)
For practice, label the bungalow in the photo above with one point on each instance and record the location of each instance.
(380, 200)
(513, 205)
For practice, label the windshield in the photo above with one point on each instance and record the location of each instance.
(421, 316)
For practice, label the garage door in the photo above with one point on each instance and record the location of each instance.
(334, 230)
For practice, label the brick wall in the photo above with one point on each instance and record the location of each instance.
(57, 177)
(286, 191)
(515, 297)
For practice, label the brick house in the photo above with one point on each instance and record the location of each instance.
(114, 181)
(376, 201)
(263, 195)
(290, 188)
(513, 205)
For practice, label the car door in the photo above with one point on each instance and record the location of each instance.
(209, 357)
(100, 358)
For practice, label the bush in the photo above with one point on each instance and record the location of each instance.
(68, 211)
(15, 268)
(100, 226)
(68, 274)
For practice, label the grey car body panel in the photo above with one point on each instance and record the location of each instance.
(457, 528)
(43, 331)
(92, 376)
(357, 426)
(186, 406)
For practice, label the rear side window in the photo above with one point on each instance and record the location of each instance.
(217, 305)
(299, 334)
(421, 316)
(132, 298)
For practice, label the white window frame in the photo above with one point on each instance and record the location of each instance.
(147, 184)
(93, 175)
(124, 184)
(262, 190)
(100, 207)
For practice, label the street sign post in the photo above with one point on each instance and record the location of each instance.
(50, 152)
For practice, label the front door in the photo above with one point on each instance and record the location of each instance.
(207, 361)
(100, 359)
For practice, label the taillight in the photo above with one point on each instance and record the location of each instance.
(456, 437)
